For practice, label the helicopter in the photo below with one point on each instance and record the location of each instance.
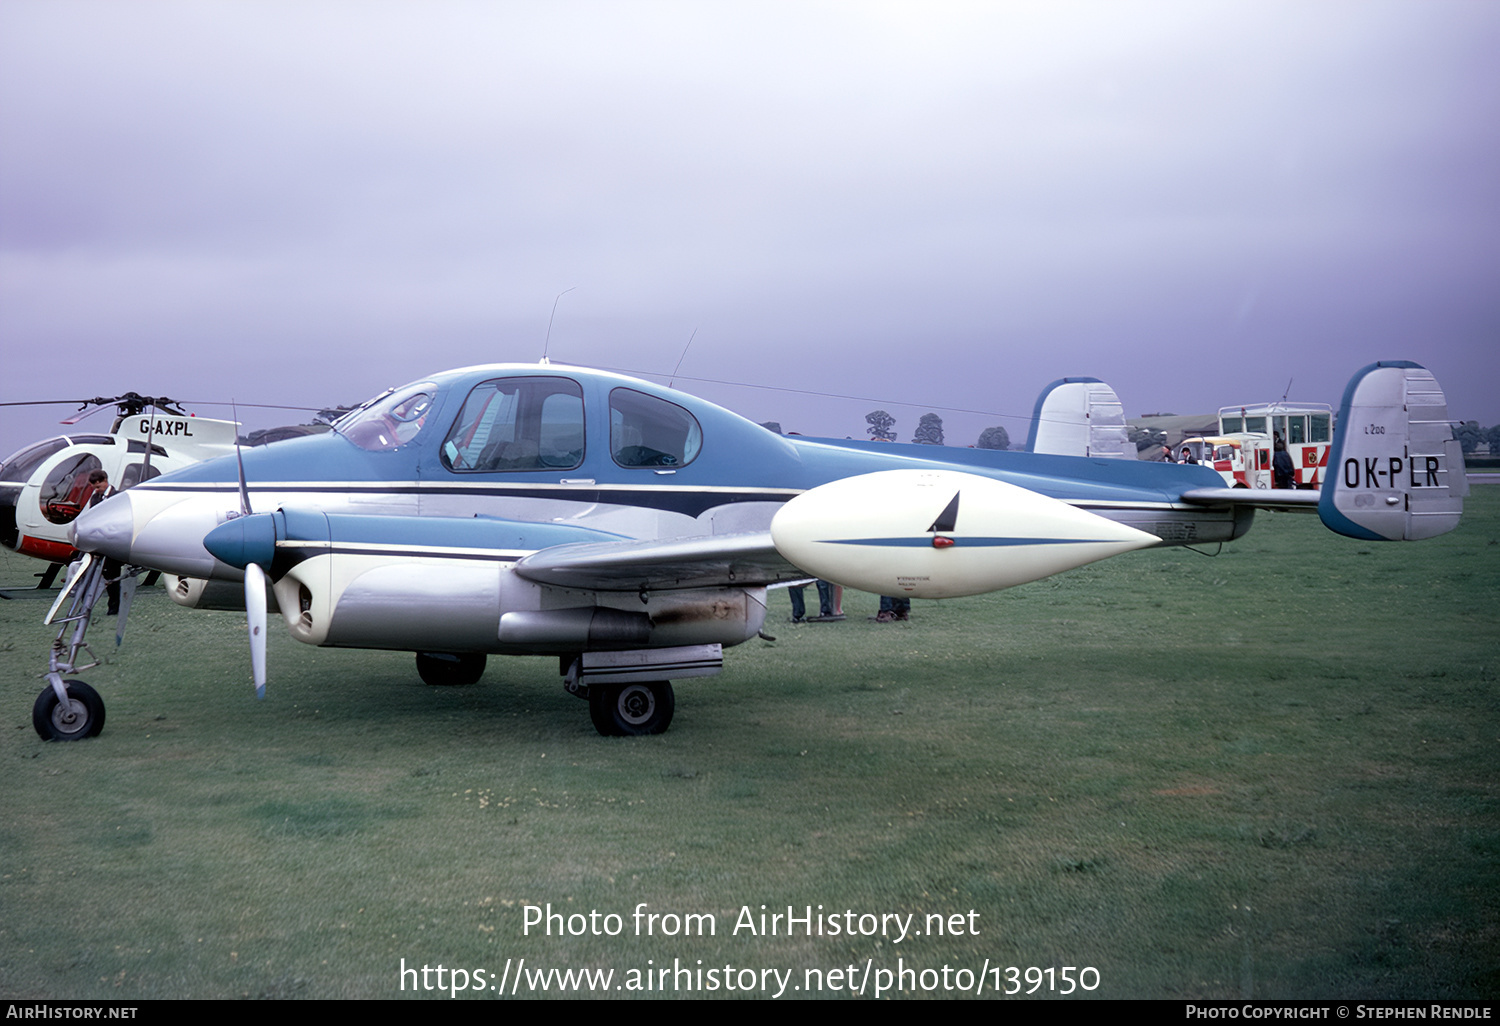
(45, 485)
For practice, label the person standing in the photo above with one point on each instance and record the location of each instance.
(99, 482)
(1283, 473)
(830, 602)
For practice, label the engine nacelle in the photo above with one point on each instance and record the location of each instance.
(196, 593)
(369, 600)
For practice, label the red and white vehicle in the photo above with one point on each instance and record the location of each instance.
(1242, 459)
(1243, 449)
(1307, 429)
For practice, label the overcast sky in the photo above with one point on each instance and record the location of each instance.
(943, 204)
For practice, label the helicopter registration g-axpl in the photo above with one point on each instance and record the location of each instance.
(633, 530)
(44, 486)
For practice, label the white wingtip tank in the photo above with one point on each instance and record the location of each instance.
(940, 534)
(1395, 473)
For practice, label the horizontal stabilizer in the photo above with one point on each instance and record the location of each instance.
(1285, 500)
(1395, 472)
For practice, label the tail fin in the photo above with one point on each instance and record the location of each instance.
(1395, 472)
(1079, 417)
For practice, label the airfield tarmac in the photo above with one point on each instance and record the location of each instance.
(1268, 774)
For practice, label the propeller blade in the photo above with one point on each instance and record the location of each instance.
(255, 613)
(73, 578)
(127, 592)
(255, 589)
(240, 459)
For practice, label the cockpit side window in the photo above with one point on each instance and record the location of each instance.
(132, 474)
(645, 431)
(67, 490)
(531, 423)
(390, 421)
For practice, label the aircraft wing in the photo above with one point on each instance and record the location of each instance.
(1285, 500)
(738, 560)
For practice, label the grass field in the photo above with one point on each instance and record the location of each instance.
(1274, 773)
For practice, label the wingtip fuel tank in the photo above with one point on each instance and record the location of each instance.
(941, 534)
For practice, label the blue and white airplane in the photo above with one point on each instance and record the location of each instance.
(633, 530)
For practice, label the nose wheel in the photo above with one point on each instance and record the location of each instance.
(632, 709)
(81, 716)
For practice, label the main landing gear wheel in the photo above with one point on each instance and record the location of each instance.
(81, 717)
(631, 709)
(446, 669)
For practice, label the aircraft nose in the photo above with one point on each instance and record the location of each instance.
(138, 528)
(106, 529)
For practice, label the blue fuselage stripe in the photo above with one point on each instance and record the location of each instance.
(926, 541)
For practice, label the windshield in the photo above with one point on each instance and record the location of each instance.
(20, 465)
(391, 420)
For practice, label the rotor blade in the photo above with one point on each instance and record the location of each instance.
(80, 415)
(255, 613)
(49, 402)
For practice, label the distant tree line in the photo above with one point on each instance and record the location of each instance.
(1145, 438)
(1471, 436)
(882, 428)
(993, 438)
(929, 430)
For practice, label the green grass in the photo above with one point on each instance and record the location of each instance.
(1272, 773)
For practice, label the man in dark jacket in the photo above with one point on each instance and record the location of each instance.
(99, 482)
(1283, 474)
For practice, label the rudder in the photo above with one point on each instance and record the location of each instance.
(1079, 417)
(1395, 473)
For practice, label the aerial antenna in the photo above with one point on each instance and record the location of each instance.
(682, 357)
(1288, 389)
(548, 341)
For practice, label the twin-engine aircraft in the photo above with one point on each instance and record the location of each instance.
(633, 531)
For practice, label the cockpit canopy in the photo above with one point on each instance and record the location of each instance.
(530, 422)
